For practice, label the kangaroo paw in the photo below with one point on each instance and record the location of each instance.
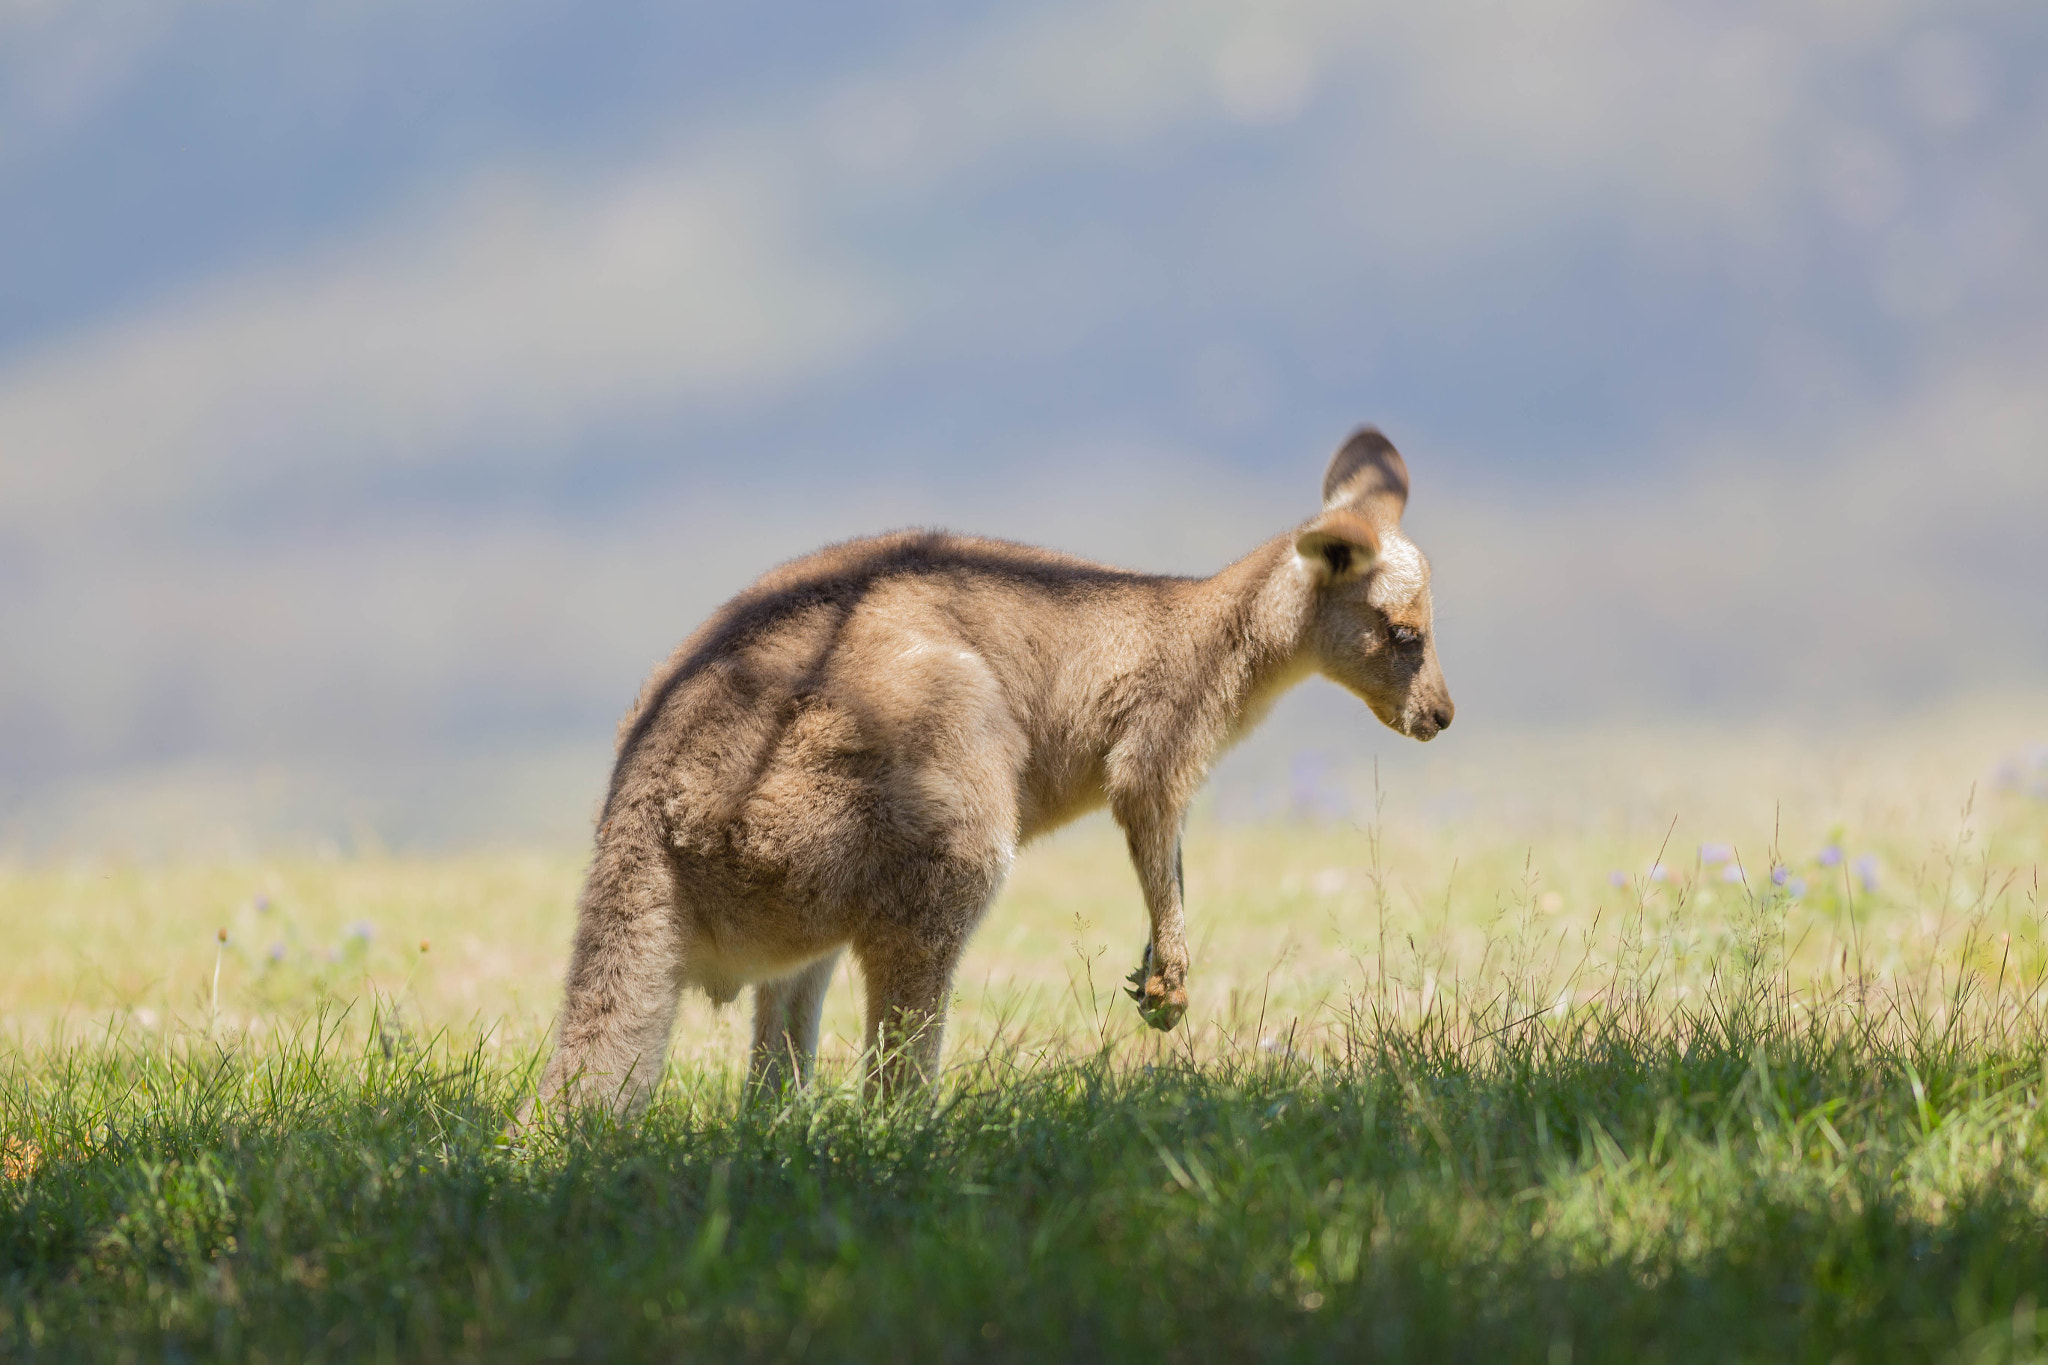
(1158, 1004)
(1162, 1008)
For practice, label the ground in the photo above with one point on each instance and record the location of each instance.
(1543, 1080)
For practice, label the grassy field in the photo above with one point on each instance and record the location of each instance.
(1682, 1051)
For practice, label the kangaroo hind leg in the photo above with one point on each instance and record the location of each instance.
(907, 983)
(786, 1014)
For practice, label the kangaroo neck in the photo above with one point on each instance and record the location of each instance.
(1254, 617)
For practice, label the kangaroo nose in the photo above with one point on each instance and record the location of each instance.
(1442, 715)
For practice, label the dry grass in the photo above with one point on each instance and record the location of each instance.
(1452, 881)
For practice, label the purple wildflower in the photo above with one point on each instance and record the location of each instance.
(1660, 873)
(1732, 873)
(262, 904)
(1796, 886)
(1831, 856)
(1711, 854)
(1780, 874)
(1617, 878)
(363, 930)
(277, 951)
(1866, 871)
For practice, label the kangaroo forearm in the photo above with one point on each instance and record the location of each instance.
(1159, 872)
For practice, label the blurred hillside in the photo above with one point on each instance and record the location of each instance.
(384, 389)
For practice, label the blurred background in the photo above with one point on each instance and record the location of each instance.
(386, 388)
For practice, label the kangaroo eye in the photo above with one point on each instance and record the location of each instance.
(1407, 637)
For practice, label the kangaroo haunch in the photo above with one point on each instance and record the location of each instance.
(849, 754)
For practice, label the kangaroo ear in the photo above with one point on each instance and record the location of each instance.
(1338, 542)
(1368, 475)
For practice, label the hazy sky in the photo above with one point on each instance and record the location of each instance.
(396, 383)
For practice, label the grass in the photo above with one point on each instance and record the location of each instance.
(1449, 1094)
(1761, 1187)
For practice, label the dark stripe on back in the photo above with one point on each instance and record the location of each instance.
(843, 575)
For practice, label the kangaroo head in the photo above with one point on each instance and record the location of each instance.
(1370, 627)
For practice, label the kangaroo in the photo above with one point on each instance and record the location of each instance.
(849, 754)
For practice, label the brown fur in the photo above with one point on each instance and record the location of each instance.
(849, 754)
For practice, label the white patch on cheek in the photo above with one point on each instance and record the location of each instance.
(1398, 575)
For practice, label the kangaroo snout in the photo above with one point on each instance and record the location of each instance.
(1426, 722)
